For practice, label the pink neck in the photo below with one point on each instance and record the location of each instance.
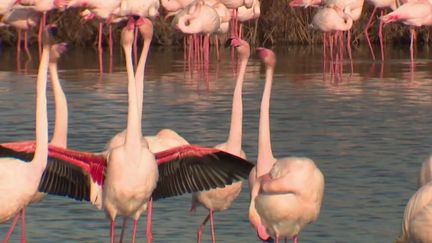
(139, 76)
(265, 156)
(59, 137)
(234, 142)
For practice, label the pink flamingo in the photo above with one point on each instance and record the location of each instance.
(60, 124)
(378, 4)
(22, 19)
(42, 6)
(20, 179)
(198, 18)
(425, 175)
(245, 14)
(220, 199)
(331, 21)
(417, 219)
(414, 14)
(286, 193)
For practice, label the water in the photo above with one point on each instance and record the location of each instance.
(367, 132)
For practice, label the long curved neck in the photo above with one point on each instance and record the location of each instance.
(133, 129)
(265, 156)
(41, 150)
(235, 134)
(139, 76)
(59, 137)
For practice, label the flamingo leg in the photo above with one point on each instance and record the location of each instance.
(100, 48)
(277, 239)
(26, 45)
(366, 33)
(22, 226)
(110, 41)
(200, 227)
(380, 36)
(123, 229)
(294, 239)
(216, 39)
(134, 229)
(18, 44)
(11, 228)
(149, 221)
(212, 226)
(112, 231)
(412, 32)
(349, 50)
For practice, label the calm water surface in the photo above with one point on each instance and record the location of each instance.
(367, 132)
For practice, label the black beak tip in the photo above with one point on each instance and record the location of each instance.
(135, 17)
(269, 240)
(53, 30)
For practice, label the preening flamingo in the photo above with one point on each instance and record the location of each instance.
(331, 20)
(286, 193)
(415, 14)
(417, 219)
(19, 179)
(425, 175)
(220, 199)
(245, 14)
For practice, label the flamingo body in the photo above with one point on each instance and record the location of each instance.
(411, 13)
(285, 214)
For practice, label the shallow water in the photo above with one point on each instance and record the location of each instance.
(368, 132)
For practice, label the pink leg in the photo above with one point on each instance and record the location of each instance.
(11, 228)
(200, 227)
(112, 231)
(100, 48)
(366, 33)
(212, 226)
(110, 42)
(294, 239)
(277, 239)
(22, 226)
(149, 221)
(123, 229)
(134, 229)
(217, 47)
(412, 30)
(26, 45)
(349, 50)
(18, 44)
(380, 36)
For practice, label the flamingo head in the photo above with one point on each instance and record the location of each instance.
(56, 51)
(241, 46)
(267, 56)
(386, 19)
(145, 26)
(127, 34)
(255, 221)
(49, 33)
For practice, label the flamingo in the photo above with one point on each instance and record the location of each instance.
(331, 21)
(19, 179)
(417, 219)
(22, 19)
(198, 18)
(286, 193)
(42, 6)
(60, 124)
(414, 14)
(220, 199)
(378, 4)
(425, 174)
(245, 14)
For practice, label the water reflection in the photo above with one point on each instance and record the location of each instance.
(368, 133)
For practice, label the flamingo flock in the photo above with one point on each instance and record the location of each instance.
(134, 171)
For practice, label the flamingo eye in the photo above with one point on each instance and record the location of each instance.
(187, 23)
